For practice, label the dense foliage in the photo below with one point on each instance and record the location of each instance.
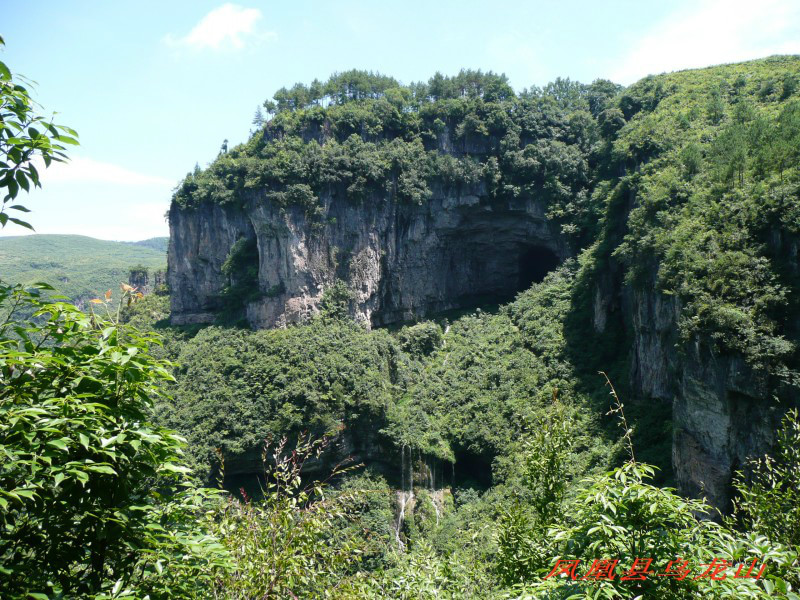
(366, 138)
(236, 388)
(25, 135)
(713, 157)
(94, 501)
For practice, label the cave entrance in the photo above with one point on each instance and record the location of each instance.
(533, 264)
(472, 470)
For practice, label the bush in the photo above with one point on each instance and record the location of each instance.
(620, 516)
(421, 339)
(287, 544)
(94, 500)
(769, 496)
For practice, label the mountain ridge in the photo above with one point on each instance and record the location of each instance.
(79, 267)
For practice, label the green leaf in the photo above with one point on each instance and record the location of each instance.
(59, 443)
(13, 188)
(23, 182)
(34, 174)
(101, 469)
(25, 493)
(117, 586)
(21, 223)
(172, 468)
(69, 130)
(5, 73)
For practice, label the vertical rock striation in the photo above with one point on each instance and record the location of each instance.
(723, 410)
(400, 261)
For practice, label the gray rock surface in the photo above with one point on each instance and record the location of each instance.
(400, 261)
(723, 412)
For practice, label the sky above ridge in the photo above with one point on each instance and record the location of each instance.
(155, 87)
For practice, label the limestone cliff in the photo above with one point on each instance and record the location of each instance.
(400, 261)
(724, 411)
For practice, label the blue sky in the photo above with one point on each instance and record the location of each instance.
(155, 87)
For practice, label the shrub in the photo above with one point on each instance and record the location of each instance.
(421, 339)
(94, 500)
(620, 515)
(287, 543)
(769, 496)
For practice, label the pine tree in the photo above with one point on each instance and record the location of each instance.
(258, 118)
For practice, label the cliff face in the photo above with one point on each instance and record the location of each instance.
(722, 410)
(404, 261)
(400, 261)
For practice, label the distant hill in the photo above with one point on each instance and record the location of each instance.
(156, 243)
(78, 267)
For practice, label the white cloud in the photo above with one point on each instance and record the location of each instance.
(226, 27)
(714, 32)
(86, 170)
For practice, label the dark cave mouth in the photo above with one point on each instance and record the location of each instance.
(533, 265)
(484, 276)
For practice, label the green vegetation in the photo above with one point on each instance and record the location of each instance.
(236, 388)
(716, 203)
(78, 267)
(94, 501)
(372, 139)
(491, 453)
(24, 136)
(157, 243)
(709, 158)
(685, 182)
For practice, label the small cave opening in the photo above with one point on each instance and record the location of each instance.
(534, 263)
(472, 470)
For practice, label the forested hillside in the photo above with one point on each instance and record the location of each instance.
(78, 267)
(677, 198)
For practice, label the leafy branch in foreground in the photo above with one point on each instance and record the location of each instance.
(285, 544)
(94, 500)
(769, 497)
(620, 519)
(24, 136)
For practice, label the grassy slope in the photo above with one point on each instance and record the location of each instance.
(720, 232)
(77, 266)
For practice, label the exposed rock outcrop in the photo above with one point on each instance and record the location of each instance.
(723, 412)
(399, 260)
(146, 282)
